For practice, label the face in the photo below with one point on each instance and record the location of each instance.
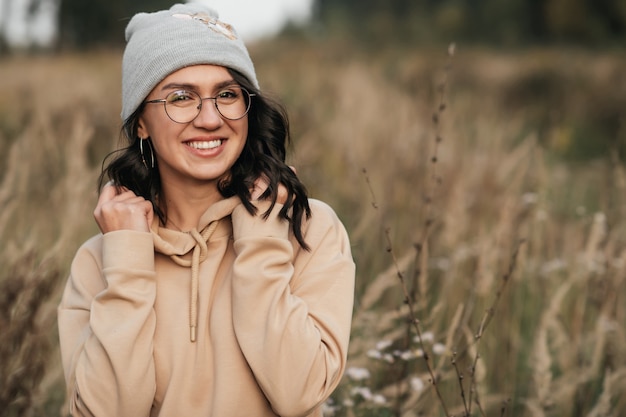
(204, 149)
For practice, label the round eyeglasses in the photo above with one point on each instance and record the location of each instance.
(183, 106)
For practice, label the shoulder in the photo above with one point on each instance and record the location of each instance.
(323, 225)
(322, 212)
(329, 258)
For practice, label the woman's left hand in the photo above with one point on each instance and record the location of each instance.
(260, 185)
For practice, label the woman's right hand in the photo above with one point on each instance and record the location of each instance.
(122, 210)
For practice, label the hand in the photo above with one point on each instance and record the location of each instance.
(122, 210)
(260, 185)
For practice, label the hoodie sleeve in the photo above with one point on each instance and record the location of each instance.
(292, 308)
(106, 326)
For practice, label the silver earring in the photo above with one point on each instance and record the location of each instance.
(143, 159)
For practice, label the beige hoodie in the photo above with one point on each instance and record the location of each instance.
(272, 320)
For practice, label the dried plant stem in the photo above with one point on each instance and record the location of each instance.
(487, 317)
(503, 408)
(409, 296)
(436, 179)
(414, 322)
(460, 377)
(431, 188)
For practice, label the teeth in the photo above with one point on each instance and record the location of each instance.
(205, 145)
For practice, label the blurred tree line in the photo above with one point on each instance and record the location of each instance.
(495, 22)
(83, 23)
(99, 22)
(80, 23)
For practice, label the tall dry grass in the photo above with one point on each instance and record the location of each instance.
(511, 240)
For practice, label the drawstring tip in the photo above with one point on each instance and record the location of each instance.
(192, 330)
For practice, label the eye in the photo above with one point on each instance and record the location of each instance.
(181, 98)
(228, 95)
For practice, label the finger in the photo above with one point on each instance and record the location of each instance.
(127, 196)
(132, 214)
(293, 169)
(282, 194)
(260, 185)
(107, 193)
(149, 210)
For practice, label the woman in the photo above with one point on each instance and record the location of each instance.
(216, 288)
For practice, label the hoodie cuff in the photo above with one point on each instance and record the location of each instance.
(128, 249)
(255, 225)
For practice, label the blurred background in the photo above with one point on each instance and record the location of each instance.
(474, 150)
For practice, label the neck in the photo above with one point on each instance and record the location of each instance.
(186, 204)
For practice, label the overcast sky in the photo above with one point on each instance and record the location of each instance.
(252, 18)
(255, 18)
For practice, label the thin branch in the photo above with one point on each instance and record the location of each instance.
(487, 317)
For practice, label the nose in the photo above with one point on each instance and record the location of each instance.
(208, 116)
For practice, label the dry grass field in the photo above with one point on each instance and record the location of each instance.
(485, 196)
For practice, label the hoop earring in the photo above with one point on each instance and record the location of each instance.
(143, 159)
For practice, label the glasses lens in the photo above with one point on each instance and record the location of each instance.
(233, 102)
(182, 106)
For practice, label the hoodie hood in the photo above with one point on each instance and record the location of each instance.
(189, 249)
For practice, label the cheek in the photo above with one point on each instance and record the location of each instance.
(245, 134)
(151, 122)
(244, 131)
(161, 131)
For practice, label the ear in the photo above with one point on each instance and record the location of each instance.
(142, 130)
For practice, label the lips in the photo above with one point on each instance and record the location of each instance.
(205, 144)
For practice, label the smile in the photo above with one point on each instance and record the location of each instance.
(211, 144)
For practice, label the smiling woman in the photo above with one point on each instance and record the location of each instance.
(214, 277)
(202, 144)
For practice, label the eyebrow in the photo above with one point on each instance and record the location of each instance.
(226, 83)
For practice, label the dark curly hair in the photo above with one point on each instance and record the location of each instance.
(263, 155)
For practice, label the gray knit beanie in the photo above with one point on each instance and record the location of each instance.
(162, 42)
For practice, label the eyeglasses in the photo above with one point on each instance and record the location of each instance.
(183, 106)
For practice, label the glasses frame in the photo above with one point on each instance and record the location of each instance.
(199, 107)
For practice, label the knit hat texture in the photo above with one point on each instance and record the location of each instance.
(162, 42)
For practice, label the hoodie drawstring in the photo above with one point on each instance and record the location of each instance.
(199, 254)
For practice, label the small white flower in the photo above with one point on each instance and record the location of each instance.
(607, 325)
(462, 253)
(383, 344)
(529, 198)
(348, 403)
(554, 265)
(364, 392)
(419, 353)
(426, 337)
(378, 399)
(442, 264)
(328, 408)
(542, 215)
(617, 263)
(439, 349)
(407, 355)
(599, 217)
(374, 354)
(357, 374)
(388, 357)
(417, 384)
